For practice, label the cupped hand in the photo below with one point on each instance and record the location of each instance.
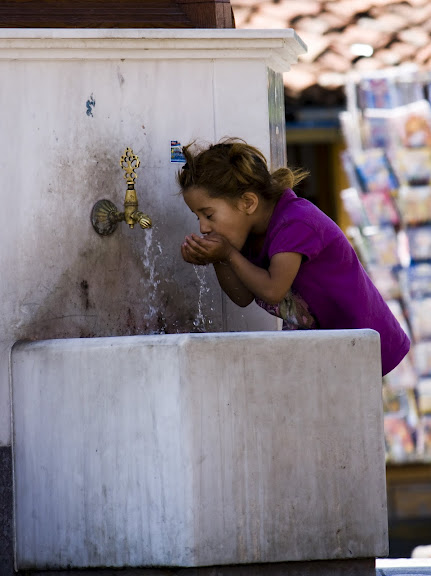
(191, 257)
(211, 248)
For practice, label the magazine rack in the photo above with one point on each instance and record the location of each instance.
(387, 129)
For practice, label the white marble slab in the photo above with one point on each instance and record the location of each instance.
(198, 450)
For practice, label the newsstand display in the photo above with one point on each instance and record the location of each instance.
(387, 130)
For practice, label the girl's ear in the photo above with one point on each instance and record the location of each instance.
(250, 202)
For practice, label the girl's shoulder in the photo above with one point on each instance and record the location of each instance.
(291, 209)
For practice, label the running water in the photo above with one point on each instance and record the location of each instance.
(149, 257)
(200, 321)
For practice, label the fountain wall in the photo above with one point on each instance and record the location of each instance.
(71, 102)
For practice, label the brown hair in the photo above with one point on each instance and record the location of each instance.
(232, 167)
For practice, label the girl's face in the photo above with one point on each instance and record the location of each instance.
(219, 216)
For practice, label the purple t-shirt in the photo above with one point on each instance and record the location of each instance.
(331, 290)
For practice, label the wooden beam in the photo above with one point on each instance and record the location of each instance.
(116, 14)
(209, 13)
(93, 14)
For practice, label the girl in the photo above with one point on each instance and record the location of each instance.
(267, 244)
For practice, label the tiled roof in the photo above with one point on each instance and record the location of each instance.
(336, 31)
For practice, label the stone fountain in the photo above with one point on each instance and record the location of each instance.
(153, 423)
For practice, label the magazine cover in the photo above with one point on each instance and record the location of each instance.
(385, 279)
(415, 281)
(377, 90)
(424, 396)
(399, 440)
(374, 172)
(412, 124)
(403, 376)
(378, 129)
(351, 130)
(420, 319)
(422, 356)
(354, 207)
(412, 165)
(383, 246)
(424, 438)
(420, 242)
(380, 208)
(415, 203)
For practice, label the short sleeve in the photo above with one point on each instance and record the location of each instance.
(297, 237)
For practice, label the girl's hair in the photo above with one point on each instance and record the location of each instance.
(232, 167)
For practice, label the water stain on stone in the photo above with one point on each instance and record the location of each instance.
(85, 294)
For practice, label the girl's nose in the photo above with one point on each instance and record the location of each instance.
(204, 228)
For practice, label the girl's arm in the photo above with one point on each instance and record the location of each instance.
(229, 282)
(270, 285)
(232, 286)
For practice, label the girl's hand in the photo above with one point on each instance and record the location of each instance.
(191, 257)
(212, 248)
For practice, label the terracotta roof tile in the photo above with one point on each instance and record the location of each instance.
(424, 54)
(398, 31)
(418, 2)
(334, 62)
(414, 36)
(427, 26)
(412, 15)
(385, 23)
(260, 20)
(389, 57)
(334, 20)
(349, 8)
(313, 25)
(316, 44)
(357, 34)
(242, 14)
(368, 64)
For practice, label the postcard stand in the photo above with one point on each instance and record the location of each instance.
(387, 130)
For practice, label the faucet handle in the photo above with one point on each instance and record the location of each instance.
(129, 162)
(142, 219)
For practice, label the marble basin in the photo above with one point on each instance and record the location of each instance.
(198, 449)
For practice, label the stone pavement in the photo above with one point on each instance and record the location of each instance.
(403, 567)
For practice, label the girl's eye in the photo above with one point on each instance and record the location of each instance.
(209, 216)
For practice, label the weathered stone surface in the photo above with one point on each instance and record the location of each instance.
(199, 450)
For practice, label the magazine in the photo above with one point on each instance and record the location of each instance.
(415, 203)
(415, 281)
(382, 245)
(412, 166)
(412, 124)
(424, 438)
(424, 395)
(420, 242)
(422, 356)
(420, 319)
(399, 440)
(374, 171)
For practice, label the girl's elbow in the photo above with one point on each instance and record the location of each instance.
(274, 298)
(244, 302)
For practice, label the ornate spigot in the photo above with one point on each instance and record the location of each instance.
(105, 216)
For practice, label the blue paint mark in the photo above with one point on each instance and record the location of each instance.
(91, 103)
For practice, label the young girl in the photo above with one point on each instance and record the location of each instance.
(268, 245)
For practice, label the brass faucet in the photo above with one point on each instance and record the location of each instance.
(105, 216)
